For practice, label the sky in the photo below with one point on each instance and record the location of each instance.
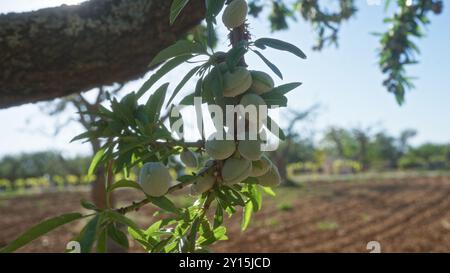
(345, 81)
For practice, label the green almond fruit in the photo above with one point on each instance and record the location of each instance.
(250, 149)
(236, 82)
(189, 158)
(253, 99)
(155, 179)
(235, 170)
(261, 166)
(220, 149)
(235, 13)
(202, 184)
(261, 82)
(270, 179)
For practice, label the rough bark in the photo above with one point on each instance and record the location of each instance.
(58, 51)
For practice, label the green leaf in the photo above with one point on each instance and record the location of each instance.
(213, 7)
(102, 241)
(165, 204)
(218, 235)
(257, 200)
(285, 88)
(280, 45)
(146, 244)
(214, 83)
(271, 123)
(123, 184)
(247, 215)
(183, 82)
(118, 236)
(87, 205)
(176, 8)
(218, 216)
(81, 136)
(113, 215)
(39, 230)
(192, 236)
(188, 100)
(273, 67)
(182, 47)
(235, 55)
(268, 191)
(88, 234)
(186, 179)
(155, 102)
(163, 70)
(274, 99)
(96, 161)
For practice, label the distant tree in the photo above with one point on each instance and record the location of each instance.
(296, 147)
(362, 136)
(39, 164)
(340, 143)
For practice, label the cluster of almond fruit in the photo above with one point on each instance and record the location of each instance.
(233, 160)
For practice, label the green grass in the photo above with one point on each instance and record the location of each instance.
(285, 206)
(367, 176)
(327, 225)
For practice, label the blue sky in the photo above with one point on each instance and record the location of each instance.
(345, 81)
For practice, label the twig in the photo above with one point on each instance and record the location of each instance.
(135, 206)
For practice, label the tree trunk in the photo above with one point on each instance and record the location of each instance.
(58, 51)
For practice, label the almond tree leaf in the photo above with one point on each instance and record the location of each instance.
(285, 88)
(123, 184)
(176, 8)
(269, 64)
(155, 102)
(182, 47)
(165, 204)
(114, 215)
(213, 7)
(163, 70)
(183, 82)
(280, 45)
(246, 215)
(40, 229)
(88, 234)
(271, 123)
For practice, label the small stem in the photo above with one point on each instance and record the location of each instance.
(137, 205)
(197, 144)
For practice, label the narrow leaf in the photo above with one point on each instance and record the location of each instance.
(271, 124)
(176, 8)
(39, 230)
(123, 184)
(213, 7)
(182, 47)
(285, 88)
(87, 235)
(183, 82)
(124, 220)
(280, 45)
(269, 64)
(96, 161)
(165, 204)
(247, 215)
(155, 102)
(102, 241)
(163, 70)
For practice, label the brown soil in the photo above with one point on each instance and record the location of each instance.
(403, 215)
